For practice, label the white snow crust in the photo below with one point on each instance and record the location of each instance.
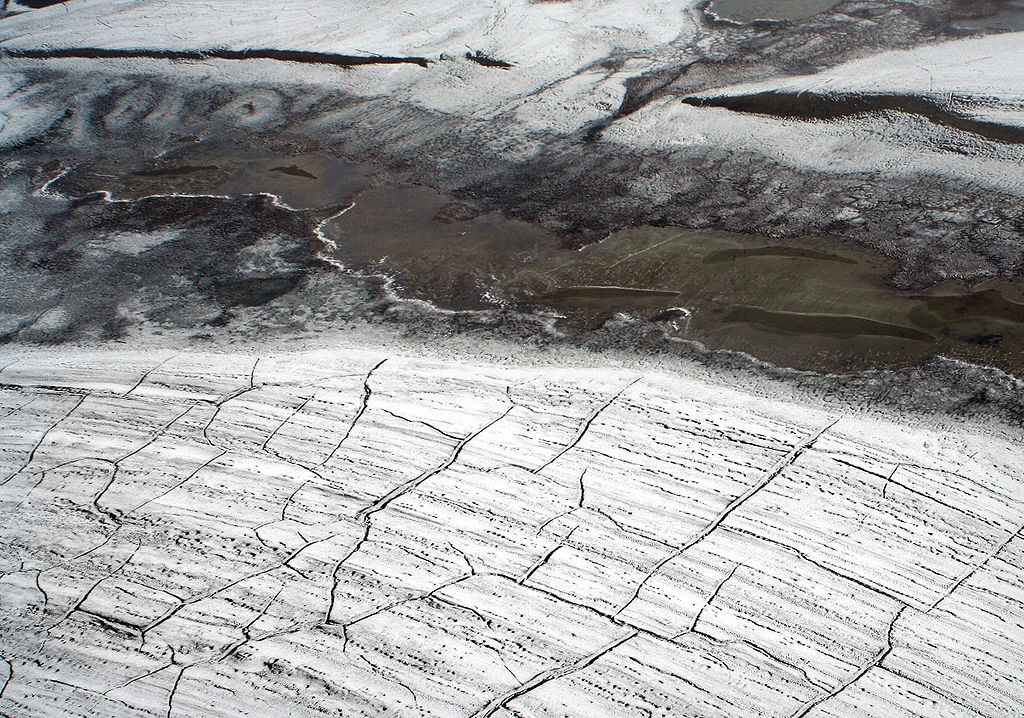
(988, 67)
(366, 533)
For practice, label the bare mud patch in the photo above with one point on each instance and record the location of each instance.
(304, 181)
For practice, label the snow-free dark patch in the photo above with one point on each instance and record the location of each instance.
(743, 11)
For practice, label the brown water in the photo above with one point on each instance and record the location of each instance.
(750, 10)
(811, 302)
(406, 233)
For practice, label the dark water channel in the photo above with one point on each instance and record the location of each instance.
(991, 17)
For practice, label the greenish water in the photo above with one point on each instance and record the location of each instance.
(808, 302)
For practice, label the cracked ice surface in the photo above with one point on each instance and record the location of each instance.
(338, 534)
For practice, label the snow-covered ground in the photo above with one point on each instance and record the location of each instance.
(571, 64)
(586, 90)
(364, 532)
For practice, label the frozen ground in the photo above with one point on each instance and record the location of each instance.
(362, 532)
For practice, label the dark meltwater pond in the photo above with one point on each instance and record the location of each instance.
(751, 10)
(406, 233)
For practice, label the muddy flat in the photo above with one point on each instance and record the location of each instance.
(218, 169)
(817, 302)
(751, 10)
